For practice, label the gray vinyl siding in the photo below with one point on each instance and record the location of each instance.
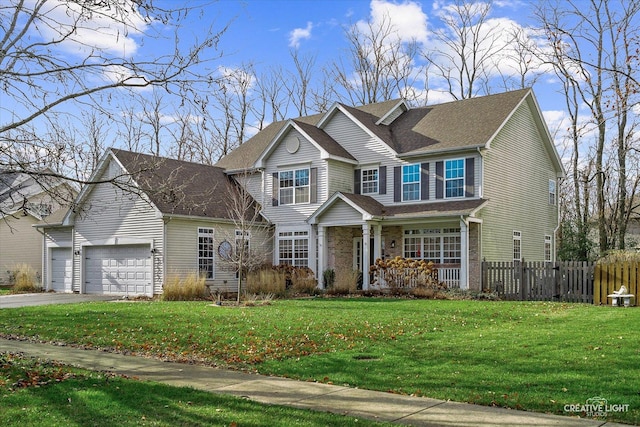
(20, 244)
(340, 177)
(517, 170)
(307, 156)
(340, 213)
(182, 250)
(54, 238)
(109, 213)
(367, 149)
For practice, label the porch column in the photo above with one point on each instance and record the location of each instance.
(464, 254)
(322, 254)
(366, 250)
(377, 241)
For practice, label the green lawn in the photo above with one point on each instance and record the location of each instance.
(41, 393)
(533, 356)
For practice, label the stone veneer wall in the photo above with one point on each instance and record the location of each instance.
(340, 248)
(390, 234)
(475, 267)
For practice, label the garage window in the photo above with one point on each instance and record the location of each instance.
(206, 252)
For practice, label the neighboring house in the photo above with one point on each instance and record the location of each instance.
(151, 218)
(454, 183)
(25, 200)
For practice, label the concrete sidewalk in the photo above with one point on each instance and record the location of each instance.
(307, 395)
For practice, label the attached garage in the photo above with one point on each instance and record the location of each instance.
(118, 270)
(61, 269)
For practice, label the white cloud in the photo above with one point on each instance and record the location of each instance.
(299, 34)
(407, 19)
(105, 30)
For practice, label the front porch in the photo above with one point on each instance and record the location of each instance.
(343, 248)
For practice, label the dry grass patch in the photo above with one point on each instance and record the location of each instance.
(189, 288)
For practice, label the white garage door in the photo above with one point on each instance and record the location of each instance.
(118, 270)
(61, 269)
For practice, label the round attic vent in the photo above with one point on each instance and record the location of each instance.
(293, 145)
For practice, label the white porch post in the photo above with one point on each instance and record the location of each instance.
(464, 254)
(366, 250)
(377, 241)
(322, 254)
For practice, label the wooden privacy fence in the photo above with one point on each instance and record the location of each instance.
(609, 278)
(539, 281)
(572, 281)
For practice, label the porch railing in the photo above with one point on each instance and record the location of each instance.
(412, 277)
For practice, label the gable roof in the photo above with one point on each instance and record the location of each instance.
(17, 189)
(174, 187)
(453, 126)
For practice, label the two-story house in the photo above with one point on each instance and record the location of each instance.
(453, 183)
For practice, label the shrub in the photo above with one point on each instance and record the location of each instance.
(189, 288)
(266, 280)
(615, 256)
(397, 273)
(24, 279)
(329, 278)
(278, 279)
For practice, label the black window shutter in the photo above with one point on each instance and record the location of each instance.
(356, 181)
(424, 181)
(275, 189)
(439, 180)
(469, 177)
(382, 180)
(313, 185)
(397, 183)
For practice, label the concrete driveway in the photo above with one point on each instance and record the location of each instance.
(23, 300)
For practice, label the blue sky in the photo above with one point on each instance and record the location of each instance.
(263, 32)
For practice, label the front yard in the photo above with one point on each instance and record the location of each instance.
(543, 357)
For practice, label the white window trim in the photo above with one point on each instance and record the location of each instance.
(553, 195)
(548, 240)
(402, 183)
(517, 237)
(463, 177)
(292, 236)
(294, 187)
(440, 233)
(362, 180)
(213, 250)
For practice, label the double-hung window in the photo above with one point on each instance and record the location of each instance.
(517, 246)
(548, 249)
(552, 192)
(370, 181)
(293, 248)
(206, 252)
(454, 178)
(411, 182)
(294, 186)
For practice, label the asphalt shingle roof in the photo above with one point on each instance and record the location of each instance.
(178, 187)
(455, 125)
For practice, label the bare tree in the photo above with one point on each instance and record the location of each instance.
(250, 236)
(378, 66)
(52, 64)
(593, 48)
(464, 56)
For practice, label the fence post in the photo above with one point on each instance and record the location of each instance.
(523, 281)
